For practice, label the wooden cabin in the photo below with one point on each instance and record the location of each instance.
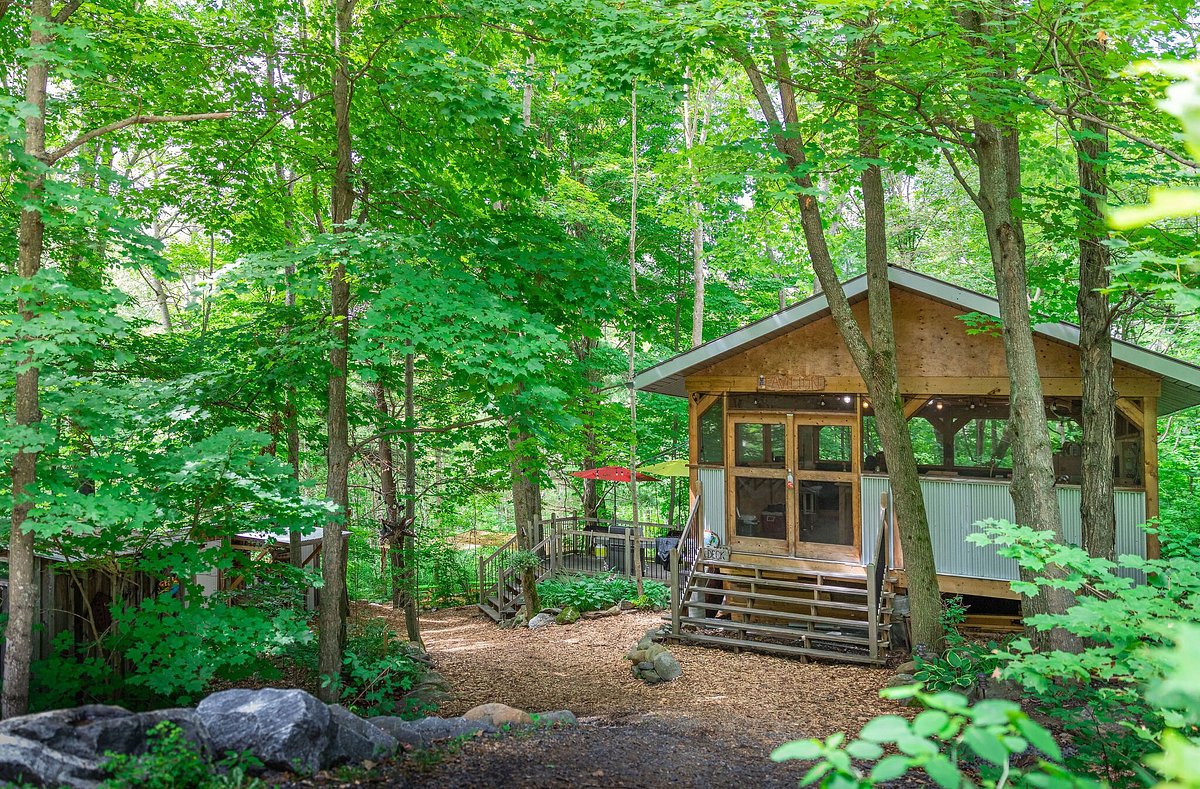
(793, 484)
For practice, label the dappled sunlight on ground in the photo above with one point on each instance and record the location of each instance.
(582, 667)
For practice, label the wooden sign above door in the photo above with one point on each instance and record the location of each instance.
(791, 383)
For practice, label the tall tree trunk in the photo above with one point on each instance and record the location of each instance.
(408, 569)
(527, 511)
(22, 585)
(633, 441)
(876, 365)
(1035, 501)
(691, 136)
(333, 613)
(1097, 503)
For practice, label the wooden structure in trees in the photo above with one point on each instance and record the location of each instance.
(794, 485)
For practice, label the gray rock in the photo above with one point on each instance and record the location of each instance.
(552, 611)
(645, 665)
(568, 616)
(667, 667)
(990, 688)
(651, 678)
(899, 681)
(404, 732)
(626, 605)
(353, 740)
(435, 729)
(283, 729)
(93, 730)
(555, 718)
(25, 761)
(907, 668)
(435, 680)
(541, 620)
(644, 644)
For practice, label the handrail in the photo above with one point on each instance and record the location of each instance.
(693, 534)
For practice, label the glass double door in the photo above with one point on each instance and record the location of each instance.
(793, 485)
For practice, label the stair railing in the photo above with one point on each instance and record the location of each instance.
(685, 556)
(876, 573)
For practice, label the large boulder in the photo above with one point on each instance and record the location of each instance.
(498, 715)
(28, 762)
(283, 729)
(353, 740)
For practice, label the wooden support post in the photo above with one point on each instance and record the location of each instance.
(1150, 469)
(553, 547)
(482, 581)
(676, 592)
(872, 612)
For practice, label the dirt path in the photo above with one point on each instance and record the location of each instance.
(715, 726)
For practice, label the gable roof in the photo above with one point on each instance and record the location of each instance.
(1180, 380)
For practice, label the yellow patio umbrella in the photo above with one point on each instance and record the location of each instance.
(667, 468)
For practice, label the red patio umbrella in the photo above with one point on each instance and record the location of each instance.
(612, 474)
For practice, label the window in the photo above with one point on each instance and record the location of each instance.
(823, 447)
(826, 512)
(712, 435)
(759, 445)
(761, 507)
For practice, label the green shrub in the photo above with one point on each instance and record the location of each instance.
(961, 661)
(377, 670)
(594, 593)
(171, 761)
(1124, 627)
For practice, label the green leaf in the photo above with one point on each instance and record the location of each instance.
(885, 728)
(803, 750)
(985, 745)
(993, 712)
(865, 750)
(930, 722)
(1039, 737)
(943, 772)
(889, 768)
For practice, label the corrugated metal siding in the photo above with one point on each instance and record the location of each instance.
(954, 507)
(712, 485)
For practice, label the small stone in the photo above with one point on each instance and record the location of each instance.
(654, 650)
(498, 715)
(626, 605)
(907, 668)
(651, 678)
(899, 680)
(556, 718)
(645, 665)
(541, 620)
(614, 611)
(667, 667)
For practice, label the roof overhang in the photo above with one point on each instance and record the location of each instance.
(1180, 380)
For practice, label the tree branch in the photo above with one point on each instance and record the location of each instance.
(133, 120)
(405, 431)
(64, 13)
(1126, 133)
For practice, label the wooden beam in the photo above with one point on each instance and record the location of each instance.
(1131, 411)
(957, 584)
(931, 385)
(913, 405)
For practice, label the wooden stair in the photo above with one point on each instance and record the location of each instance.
(796, 612)
(506, 608)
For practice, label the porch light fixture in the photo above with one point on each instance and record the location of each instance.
(866, 403)
(847, 399)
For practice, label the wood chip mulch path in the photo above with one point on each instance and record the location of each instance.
(715, 726)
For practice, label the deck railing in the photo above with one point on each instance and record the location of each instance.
(575, 545)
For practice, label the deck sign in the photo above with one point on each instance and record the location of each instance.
(791, 383)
